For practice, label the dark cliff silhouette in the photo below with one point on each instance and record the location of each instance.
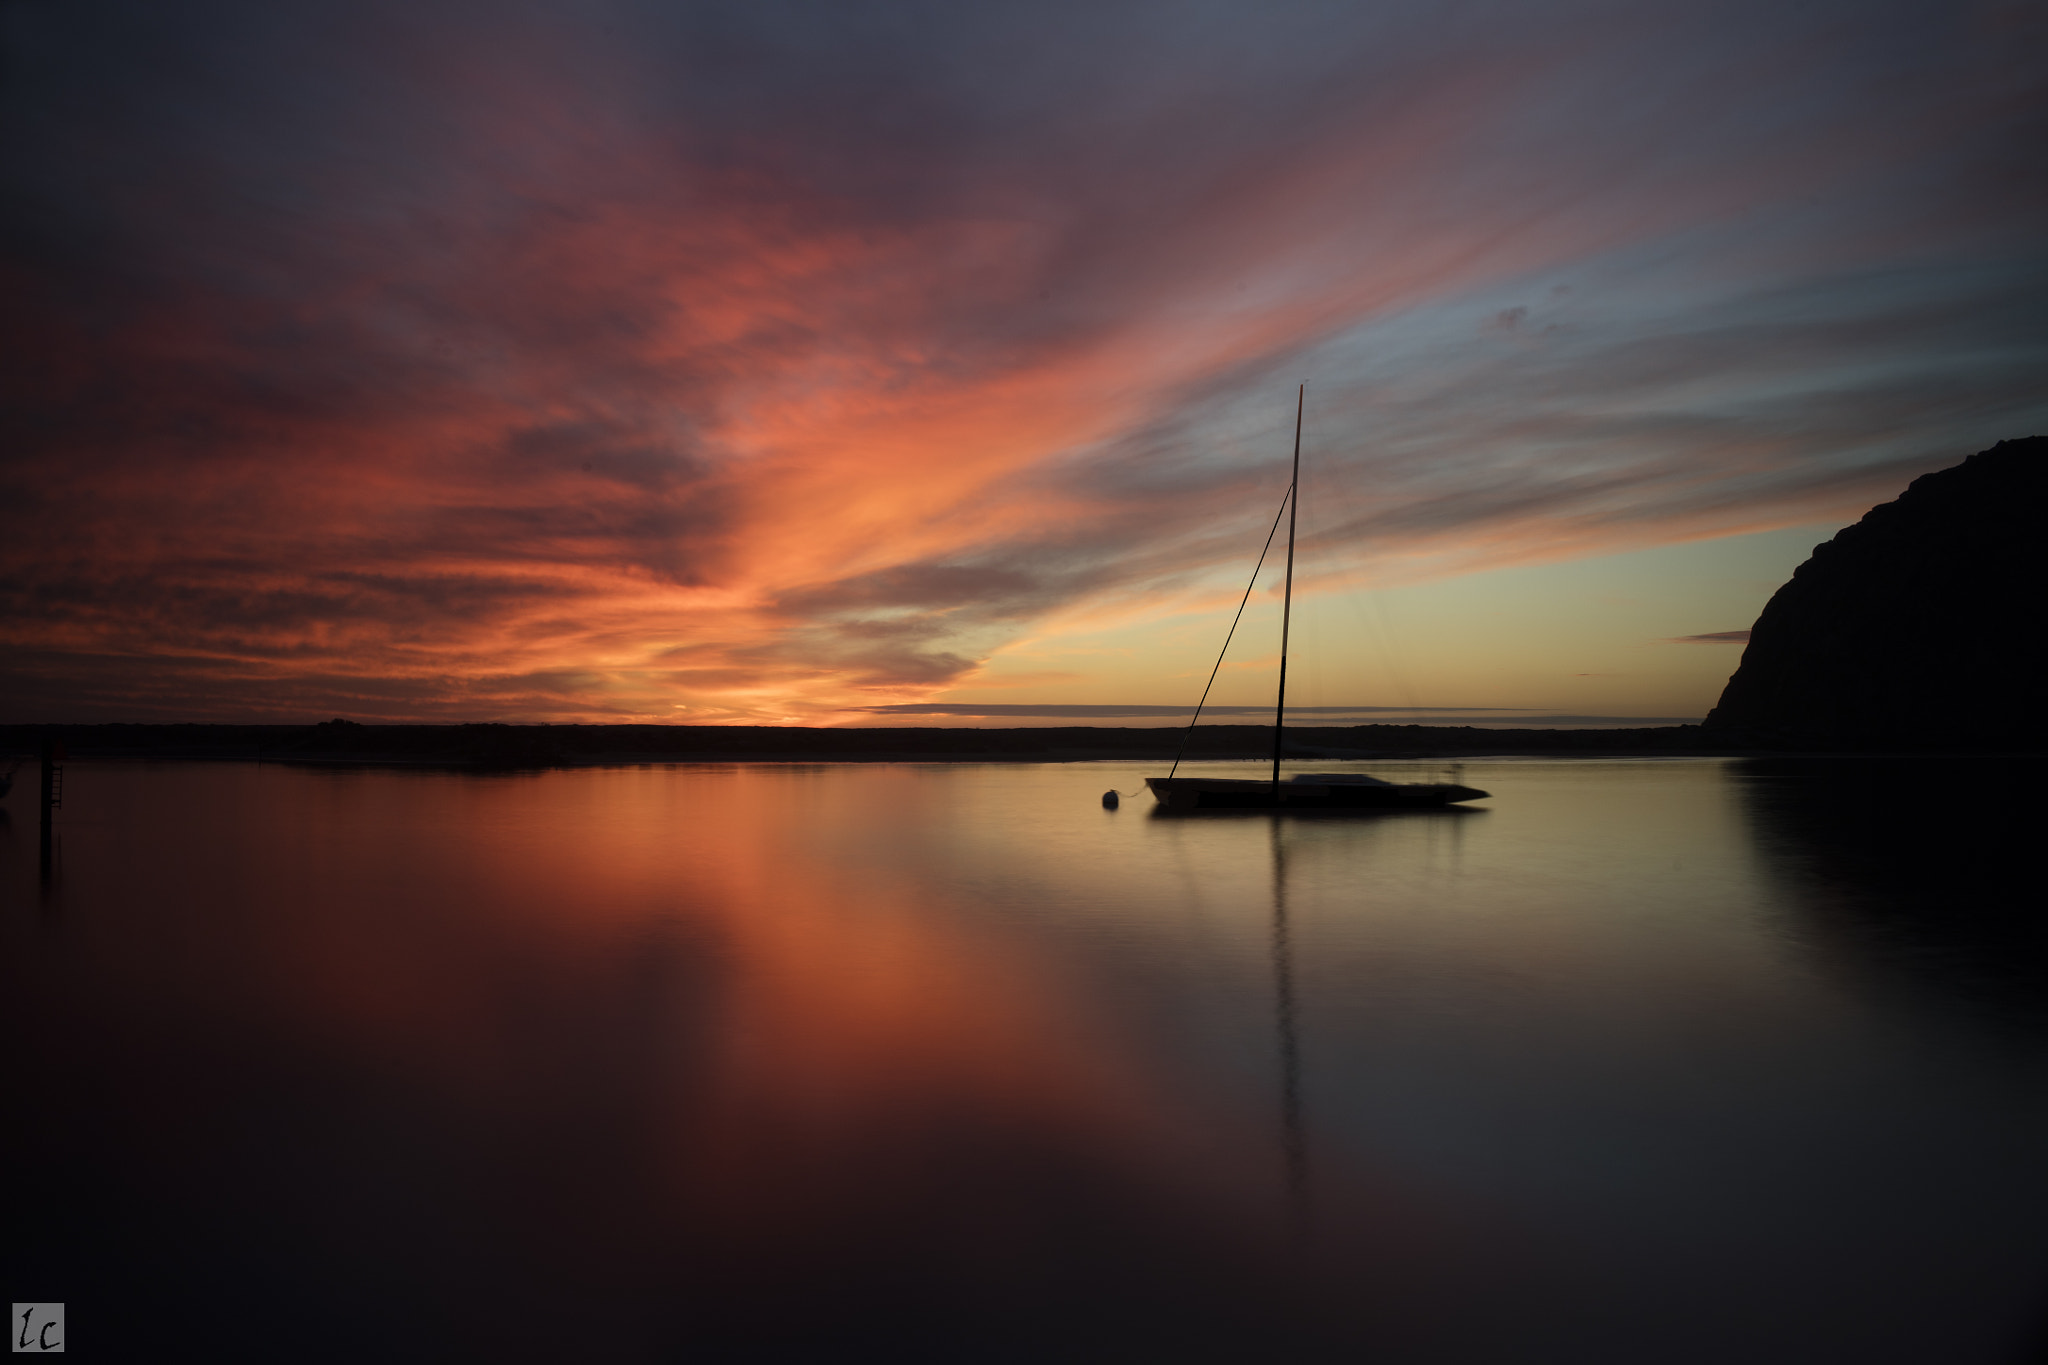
(1921, 626)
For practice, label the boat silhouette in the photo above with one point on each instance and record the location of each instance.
(1302, 791)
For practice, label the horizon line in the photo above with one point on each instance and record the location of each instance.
(1134, 710)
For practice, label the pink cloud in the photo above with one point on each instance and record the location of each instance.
(571, 377)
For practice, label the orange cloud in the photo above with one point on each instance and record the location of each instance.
(570, 378)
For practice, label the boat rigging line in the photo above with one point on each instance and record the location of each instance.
(1308, 791)
(1286, 501)
(1287, 605)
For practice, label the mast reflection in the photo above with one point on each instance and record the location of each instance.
(1293, 1147)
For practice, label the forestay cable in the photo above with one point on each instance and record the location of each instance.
(1233, 629)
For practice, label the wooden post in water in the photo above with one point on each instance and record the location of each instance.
(48, 799)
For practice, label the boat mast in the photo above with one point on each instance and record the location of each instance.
(1287, 600)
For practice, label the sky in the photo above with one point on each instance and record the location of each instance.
(818, 363)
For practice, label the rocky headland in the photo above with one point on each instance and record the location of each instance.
(1920, 627)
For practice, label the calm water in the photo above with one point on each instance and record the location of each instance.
(1641, 1061)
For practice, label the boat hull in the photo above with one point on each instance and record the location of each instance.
(1238, 793)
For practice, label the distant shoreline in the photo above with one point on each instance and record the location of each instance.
(487, 746)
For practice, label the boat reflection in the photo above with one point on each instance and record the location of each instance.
(1286, 1012)
(1293, 1142)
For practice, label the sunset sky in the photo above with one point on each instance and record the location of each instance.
(851, 363)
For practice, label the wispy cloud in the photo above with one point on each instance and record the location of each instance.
(1715, 637)
(720, 362)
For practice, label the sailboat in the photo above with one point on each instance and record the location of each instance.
(1301, 791)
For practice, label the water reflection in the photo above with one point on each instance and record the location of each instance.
(1293, 1143)
(1920, 874)
(951, 1063)
(1293, 1129)
(614, 1071)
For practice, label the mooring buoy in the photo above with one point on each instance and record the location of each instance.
(1109, 799)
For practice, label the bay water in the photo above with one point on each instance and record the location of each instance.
(1638, 1060)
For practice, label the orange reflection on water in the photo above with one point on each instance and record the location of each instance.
(633, 1040)
(777, 1015)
